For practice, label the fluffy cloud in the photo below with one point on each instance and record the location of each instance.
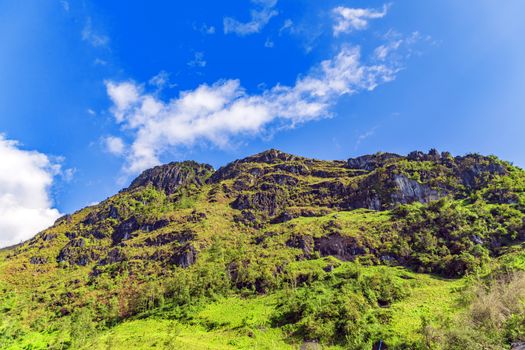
(259, 18)
(219, 112)
(25, 180)
(349, 19)
(114, 145)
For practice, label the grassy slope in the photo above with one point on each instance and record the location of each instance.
(235, 322)
(244, 323)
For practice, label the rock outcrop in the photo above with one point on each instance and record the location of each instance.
(172, 176)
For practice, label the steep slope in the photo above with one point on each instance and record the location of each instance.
(182, 235)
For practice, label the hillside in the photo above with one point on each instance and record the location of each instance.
(280, 251)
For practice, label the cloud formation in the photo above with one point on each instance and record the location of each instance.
(25, 204)
(259, 18)
(350, 19)
(217, 113)
(114, 145)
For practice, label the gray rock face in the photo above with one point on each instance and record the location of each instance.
(125, 229)
(371, 162)
(471, 170)
(75, 253)
(268, 201)
(305, 243)
(38, 260)
(166, 238)
(518, 346)
(171, 176)
(342, 247)
(271, 156)
(115, 255)
(409, 191)
(185, 256)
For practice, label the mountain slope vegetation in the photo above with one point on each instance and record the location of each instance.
(277, 251)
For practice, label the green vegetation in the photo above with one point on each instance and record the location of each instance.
(277, 251)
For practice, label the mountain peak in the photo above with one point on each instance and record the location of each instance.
(270, 156)
(169, 177)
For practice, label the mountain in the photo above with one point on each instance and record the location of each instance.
(281, 251)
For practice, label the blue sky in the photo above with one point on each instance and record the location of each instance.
(215, 81)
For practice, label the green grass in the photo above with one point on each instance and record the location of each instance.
(230, 323)
(244, 323)
(432, 298)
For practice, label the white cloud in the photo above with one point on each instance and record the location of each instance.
(259, 18)
(349, 19)
(219, 112)
(68, 174)
(114, 145)
(198, 60)
(25, 204)
(269, 43)
(91, 112)
(396, 43)
(90, 36)
(122, 95)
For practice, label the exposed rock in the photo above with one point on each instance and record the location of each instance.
(115, 255)
(341, 247)
(184, 256)
(71, 235)
(166, 238)
(113, 212)
(63, 219)
(124, 230)
(417, 156)
(92, 218)
(371, 162)
(269, 201)
(77, 243)
(243, 183)
(475, 170)
(280, 179)
(295, 168)
(408, 191)
(262, 238)
(284, 217)
(38, 260)
(48, 236)
(148, 227)
(501, 196)
(76, 253)
(197, 216)
(236, 168)
(172, 176)
(271, 156)
(303, 242)
(518, 346)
